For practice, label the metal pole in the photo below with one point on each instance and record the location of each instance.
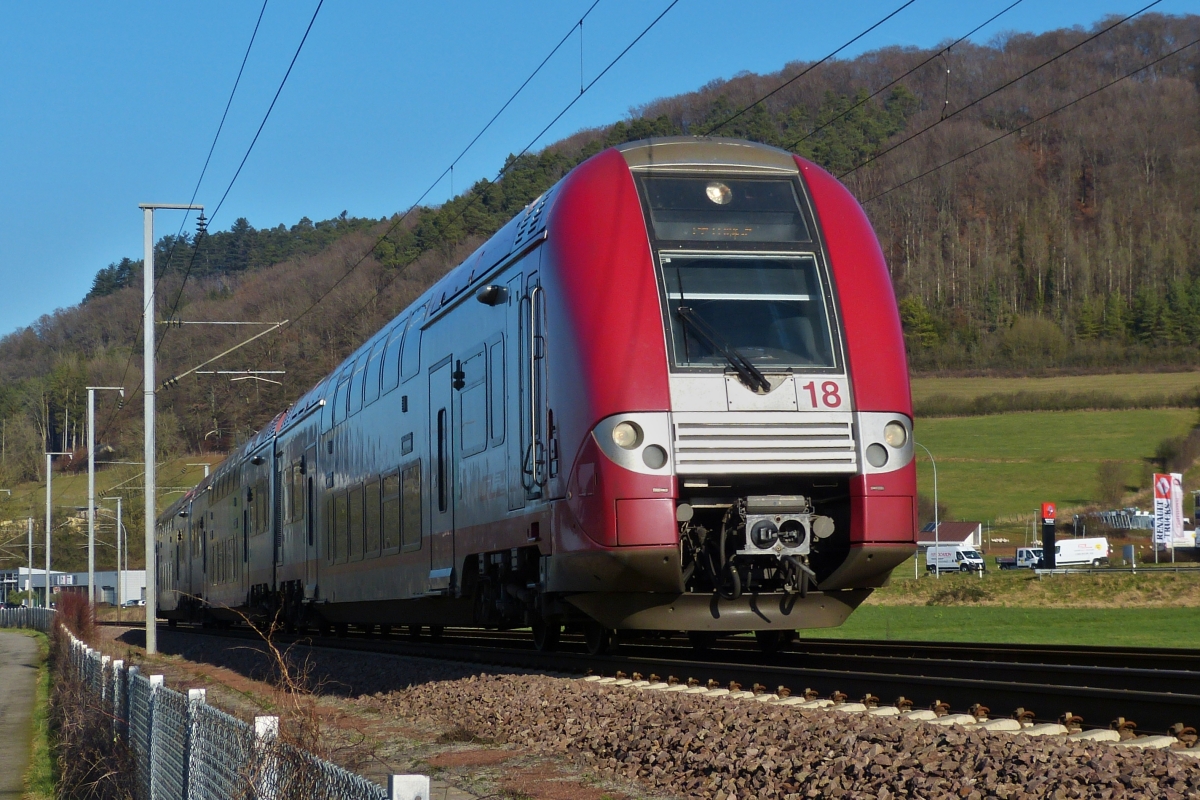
(149, 394)
(936, 525)
(29, 574)
(48, 467)
(91, 425)
(119, 588)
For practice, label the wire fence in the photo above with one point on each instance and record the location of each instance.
(184, 749)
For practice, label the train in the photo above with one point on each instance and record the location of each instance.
(670, 395)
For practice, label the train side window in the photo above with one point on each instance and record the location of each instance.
(340, 398)
(410, 361)
(356, 386)
(371, 515)
(340, 529)
(356, 524)
(390, 521)
(391, 358)
(496, 390)
(287, 485)
(473, 404)
(371, 379)
(410, 525)
(442, 456)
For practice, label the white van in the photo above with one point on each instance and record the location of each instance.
(953, 557)
(1072, 552)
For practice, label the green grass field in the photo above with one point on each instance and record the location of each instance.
(1113, 627)
(1138, 384)
(1005, 465)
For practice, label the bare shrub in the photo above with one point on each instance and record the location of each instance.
(1110, 482)
(93, 764)
(76, 614)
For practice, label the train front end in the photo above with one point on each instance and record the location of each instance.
(748, 461)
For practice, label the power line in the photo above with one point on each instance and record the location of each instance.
(893, 82)
(195, 250)
(1000, 88)
(804, 72)
(203, 170)
(1031, 122)
(512, 162)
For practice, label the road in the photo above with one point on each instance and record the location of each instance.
(18, 681)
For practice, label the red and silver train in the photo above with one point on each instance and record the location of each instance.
(670, 395)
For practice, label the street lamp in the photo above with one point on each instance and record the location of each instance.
(91, 424)
(149, 390)
(936, 532)
(49, 523)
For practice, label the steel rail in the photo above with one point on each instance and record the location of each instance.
(1154, 698)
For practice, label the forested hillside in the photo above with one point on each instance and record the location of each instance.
(1072, 243)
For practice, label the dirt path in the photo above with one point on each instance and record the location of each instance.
(18, 681)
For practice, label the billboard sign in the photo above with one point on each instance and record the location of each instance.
(1168, 508)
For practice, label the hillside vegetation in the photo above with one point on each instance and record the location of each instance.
(1075, 243)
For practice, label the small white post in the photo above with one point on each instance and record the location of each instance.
(266, 732)
(197, 695)
(408, 787)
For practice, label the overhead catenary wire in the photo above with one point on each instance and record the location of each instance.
(896, 80)
(174, 244)
(995, 91)
(803, 72)
(1034, 121)
(508, 166)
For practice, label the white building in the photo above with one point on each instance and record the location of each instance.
(133, 583)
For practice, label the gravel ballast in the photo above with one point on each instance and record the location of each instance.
(707, 747)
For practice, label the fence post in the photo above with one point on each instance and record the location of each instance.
(266, 734)
(196, 697)
(118, 680)
(408, 787)
(156, 682)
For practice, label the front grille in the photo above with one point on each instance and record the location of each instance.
(716, 443)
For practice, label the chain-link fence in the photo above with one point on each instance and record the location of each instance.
(184, 749)
(39, 619)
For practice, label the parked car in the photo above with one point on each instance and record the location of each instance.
(1026, 558)
(134, 602)
(951, 557)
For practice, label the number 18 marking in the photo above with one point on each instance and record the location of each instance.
(830, 397)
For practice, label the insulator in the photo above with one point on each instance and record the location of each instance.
(201, 224)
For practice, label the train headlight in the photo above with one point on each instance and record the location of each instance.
(719, 193)
(627, 435)
(654, 457)
(895, 434)
(877, 455)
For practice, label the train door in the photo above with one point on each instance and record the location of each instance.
(514, 333)
(308, 470)
(442, 470)
(535, 457)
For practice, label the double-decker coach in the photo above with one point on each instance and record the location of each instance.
(670, 395)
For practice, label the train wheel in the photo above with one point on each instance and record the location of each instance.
(172, 623)
(598, 638)
(701, 641)
(324, 628)
(414, 631)
(385, 631)
(435, 632)
(773, 641)
(546, 635)
(342, 629)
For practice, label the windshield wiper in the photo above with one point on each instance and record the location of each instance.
(750, 374)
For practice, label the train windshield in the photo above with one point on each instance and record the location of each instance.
(690, 209)
(768, 308)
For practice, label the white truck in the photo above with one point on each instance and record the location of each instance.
(953, 558)
(1026, 558)
(1072, 552)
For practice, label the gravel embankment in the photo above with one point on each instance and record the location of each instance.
(713, 748)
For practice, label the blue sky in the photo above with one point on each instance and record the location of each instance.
(105, 105)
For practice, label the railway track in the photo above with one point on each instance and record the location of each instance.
(1155, 688)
